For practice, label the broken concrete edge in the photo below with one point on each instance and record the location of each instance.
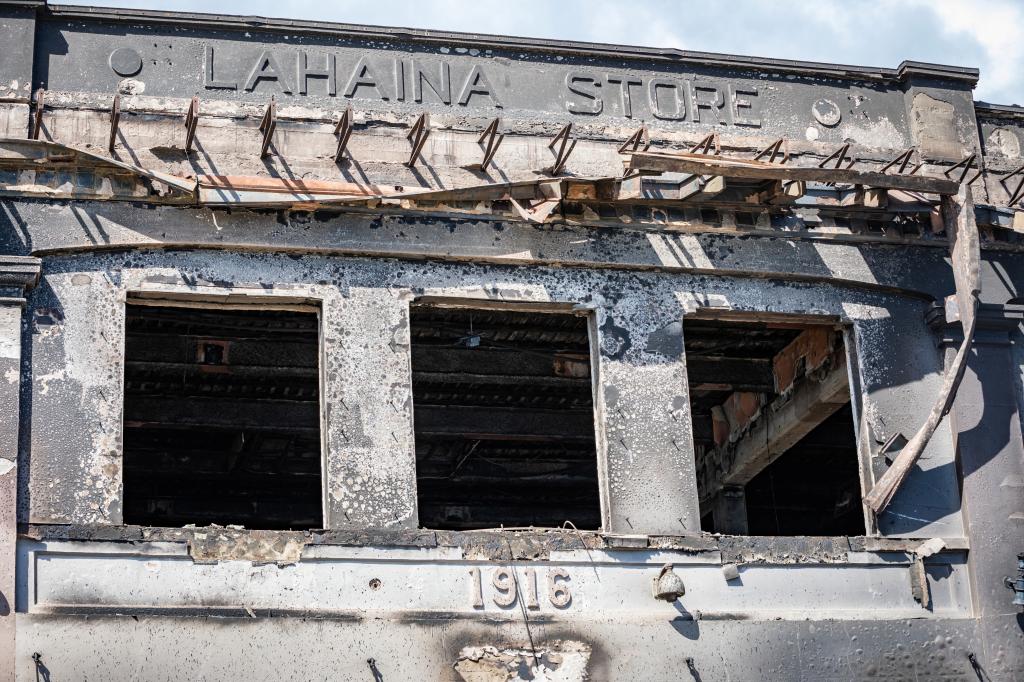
(210, 544)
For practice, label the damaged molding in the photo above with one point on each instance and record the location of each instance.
(958, 214)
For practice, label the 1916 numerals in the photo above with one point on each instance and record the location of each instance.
(506, 587)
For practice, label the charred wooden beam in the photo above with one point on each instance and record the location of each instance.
(504, 423)
(502, 362)
(811, 403)
(143, 411)
(732, 374)
(958, 215)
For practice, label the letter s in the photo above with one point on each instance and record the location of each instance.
(586, 87)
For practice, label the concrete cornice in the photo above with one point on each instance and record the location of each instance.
(187, 20)
(19, 271)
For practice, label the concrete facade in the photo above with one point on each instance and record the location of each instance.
(375, 595)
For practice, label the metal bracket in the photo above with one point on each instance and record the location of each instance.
(37, 114)
(344, 131)
(893, 444)
(418, 137)
(1018, 193)
(839, 156)
(267, 126)
(705, 145)
(903, 160)
(191, 121)
(564, 148)
(966, 164)
(493, 139)
(115, 122)
(641, 138)
(779, 147)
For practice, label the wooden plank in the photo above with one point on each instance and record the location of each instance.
(962, 230)
(741, 168)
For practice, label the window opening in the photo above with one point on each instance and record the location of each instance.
(774, 434)
(222, 417)
(504, 419)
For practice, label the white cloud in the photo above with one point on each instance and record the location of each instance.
(998, 27)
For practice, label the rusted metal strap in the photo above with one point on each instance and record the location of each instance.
(115, 122)
(958, 213)
(638, 141)
(491, 138)
(418, 137)
(566, 143)
(268, 125)
(343, 131)
(191, 122)
(37, 114)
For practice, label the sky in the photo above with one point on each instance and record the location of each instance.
(987, 34)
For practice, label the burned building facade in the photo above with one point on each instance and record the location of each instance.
(345, 352)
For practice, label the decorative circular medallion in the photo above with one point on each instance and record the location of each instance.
(826, 112)
(125, 61)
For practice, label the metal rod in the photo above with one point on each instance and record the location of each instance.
(344, 131)
(640, 139)
(191, 121)
(418, 137)
(267, 126)
(115, 122)
(37, 117)
(564, 149)
(493, 140)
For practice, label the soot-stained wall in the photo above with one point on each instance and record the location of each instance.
(75, 338)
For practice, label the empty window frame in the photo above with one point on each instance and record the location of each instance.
(504, 418)
(222, 417)
(773, 427)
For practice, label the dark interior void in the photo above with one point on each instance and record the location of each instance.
(813, 488)
(222, 418)
(503, 412)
